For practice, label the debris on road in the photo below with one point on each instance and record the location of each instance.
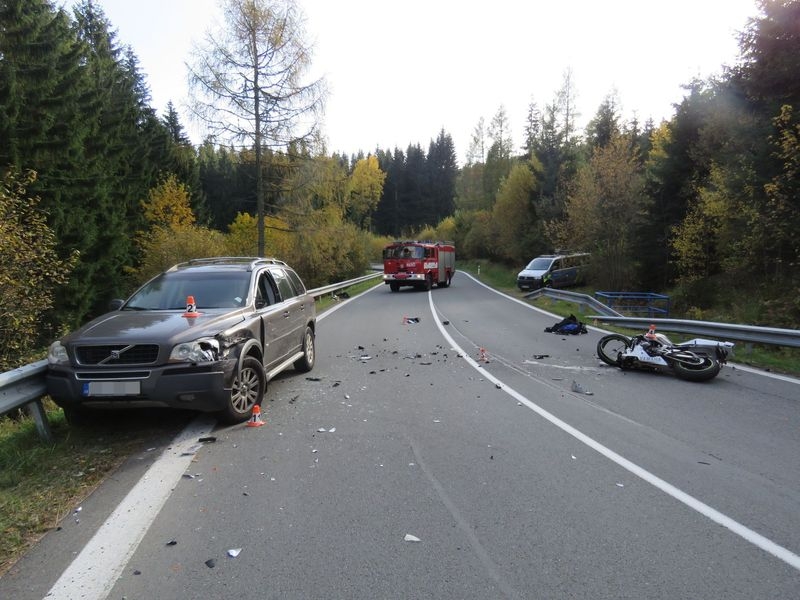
(234, 552)
(579, 389)
(211, 563)
(411, 538)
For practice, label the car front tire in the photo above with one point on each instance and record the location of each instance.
(248, 389)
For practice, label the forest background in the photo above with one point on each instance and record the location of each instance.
(99, 192)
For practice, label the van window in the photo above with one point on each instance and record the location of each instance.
(540, 263)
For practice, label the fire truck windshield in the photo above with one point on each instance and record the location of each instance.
(405, 252)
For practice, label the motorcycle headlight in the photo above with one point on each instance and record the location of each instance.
(203, 350)
(57, 354)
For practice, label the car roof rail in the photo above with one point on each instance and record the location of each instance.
(251, 261)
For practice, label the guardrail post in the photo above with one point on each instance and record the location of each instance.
(36, 410)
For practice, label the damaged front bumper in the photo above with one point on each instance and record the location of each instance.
(195, 386)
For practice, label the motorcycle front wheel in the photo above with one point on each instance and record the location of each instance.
(707, 369)
(611, 346)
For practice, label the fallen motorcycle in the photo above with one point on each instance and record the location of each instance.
(696, 360)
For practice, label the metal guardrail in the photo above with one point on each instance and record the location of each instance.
(772, 336)
(724, 331)
(334, 287)
(581, 299)
(25, 387)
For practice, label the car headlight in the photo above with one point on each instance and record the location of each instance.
(57, 354)
(203, 350)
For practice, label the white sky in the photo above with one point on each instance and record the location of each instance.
(399, 72)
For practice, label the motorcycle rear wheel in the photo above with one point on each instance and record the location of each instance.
(611, 347)
(703, 372)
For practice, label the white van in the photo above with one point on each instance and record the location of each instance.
(554, 270)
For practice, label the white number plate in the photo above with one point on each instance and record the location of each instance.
(112, 388)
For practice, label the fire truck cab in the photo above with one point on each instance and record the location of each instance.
(418, 264)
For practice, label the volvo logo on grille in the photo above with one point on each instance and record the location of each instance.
(115, 354)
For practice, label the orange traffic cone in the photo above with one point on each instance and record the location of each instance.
(255, 419)
(191, 307)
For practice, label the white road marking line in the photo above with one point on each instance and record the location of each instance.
(751, 536)
(95, 571)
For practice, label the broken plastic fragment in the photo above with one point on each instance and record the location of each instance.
(411, 538)
(234, 552)
(211, 563)
(579, 389)
(192, 450)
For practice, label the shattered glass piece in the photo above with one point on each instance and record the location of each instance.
(234, 552)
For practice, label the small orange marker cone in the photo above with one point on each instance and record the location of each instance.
(255, 419)
(191, 308)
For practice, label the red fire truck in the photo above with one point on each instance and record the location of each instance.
(419, 264)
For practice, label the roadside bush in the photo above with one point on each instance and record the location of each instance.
(30, 270)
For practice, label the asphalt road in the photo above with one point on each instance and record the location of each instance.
(510, 484)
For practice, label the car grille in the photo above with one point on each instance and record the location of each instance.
(117, 354)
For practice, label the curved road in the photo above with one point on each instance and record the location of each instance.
(412, 464)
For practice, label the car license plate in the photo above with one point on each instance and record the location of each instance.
(112, 388)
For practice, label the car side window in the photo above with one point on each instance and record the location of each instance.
(285, 289)
(265, 294)
(296, 282)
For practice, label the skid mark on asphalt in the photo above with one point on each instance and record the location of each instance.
(464, 526)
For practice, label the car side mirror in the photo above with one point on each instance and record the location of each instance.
(116, 304)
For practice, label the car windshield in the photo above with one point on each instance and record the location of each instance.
(170, 291)
(539, 264)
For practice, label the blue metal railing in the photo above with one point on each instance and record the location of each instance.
(648, 303)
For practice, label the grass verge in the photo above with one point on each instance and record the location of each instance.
(40, 483)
